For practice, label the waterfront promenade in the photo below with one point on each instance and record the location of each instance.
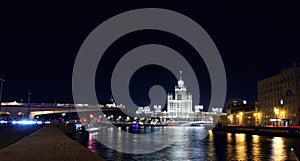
(47, 144)
(284, 131)
(10, 135)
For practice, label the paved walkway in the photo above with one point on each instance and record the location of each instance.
(10, 135)
(47, 144)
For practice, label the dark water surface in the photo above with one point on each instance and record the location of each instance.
(215, 146)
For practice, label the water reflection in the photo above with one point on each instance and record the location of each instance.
(90, 143)
(278, 149)
(240, 146)
(256, 147)
(216, 146)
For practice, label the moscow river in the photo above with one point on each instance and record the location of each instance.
(215, 146)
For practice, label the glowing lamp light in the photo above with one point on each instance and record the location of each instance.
(281, 102)
(91, 116)
(24, 122)
(3, 122)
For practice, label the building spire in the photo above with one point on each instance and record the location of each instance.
(180, 81)
(180, 77)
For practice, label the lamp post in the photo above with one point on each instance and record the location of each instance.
(1, 89)
(276, 111)
(237, 119)
(241, 113)
(63, 115)
(255, 114)
(28, 109)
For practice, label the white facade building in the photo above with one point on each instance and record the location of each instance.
(181, 105)
(147, 111)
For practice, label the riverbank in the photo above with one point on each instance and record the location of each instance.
(292, 132)
(48, 143)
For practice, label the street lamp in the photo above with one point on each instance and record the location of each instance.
(276, 111)
(238, 119)
(1, 89)
(28, 109)
(255, 114)
(241, 113)
(63, 115)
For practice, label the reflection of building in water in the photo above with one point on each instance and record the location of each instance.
(181, 105)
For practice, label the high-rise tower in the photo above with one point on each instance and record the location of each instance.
(181, 105)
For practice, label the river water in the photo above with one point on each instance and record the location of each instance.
(215, 146)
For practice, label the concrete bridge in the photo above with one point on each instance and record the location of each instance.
(17, 109)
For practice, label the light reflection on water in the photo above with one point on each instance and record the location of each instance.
(278, 149)
(256, 152)
(216, 146)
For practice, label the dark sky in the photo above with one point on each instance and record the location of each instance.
(39, 43)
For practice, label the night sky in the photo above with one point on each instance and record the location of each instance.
(39, 44)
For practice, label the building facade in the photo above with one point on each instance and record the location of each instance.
(279, 97)
(242, 112)
(180, 106)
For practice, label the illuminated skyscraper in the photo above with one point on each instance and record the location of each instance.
(181, 105)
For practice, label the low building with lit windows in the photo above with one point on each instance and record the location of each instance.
(242, 112)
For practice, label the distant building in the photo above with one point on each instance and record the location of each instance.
(146, 111)
(279, 97)
(112, 104)
(157, 110)
(181, 105)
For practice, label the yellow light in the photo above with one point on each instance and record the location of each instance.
(241, 113)
(276, 110)
(254, 114)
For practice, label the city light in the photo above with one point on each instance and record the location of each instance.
(276, 110)
(3, 122)
(24, 122)
(248, 60)
(91, 116)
